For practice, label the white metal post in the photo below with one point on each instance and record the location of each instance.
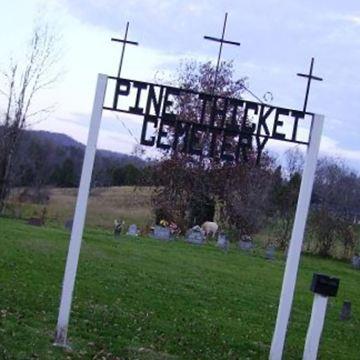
(80, 214)
(315, 327)
(294, 251)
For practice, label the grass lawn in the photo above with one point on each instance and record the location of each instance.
(145, 299)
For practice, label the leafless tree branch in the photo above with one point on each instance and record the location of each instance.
(21, 84)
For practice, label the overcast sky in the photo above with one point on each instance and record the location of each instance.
(278, 39)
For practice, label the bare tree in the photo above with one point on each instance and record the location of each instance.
(285, 194)
(294, 160)
(335, 204)
(20, 85)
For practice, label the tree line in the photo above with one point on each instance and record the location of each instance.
(46, 159)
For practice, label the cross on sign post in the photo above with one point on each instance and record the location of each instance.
(310, 77)
(221, 41)
(124, 41)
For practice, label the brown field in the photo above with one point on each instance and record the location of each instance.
(133, 204)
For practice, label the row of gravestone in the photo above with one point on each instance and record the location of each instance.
(193, 236)
(196, 236)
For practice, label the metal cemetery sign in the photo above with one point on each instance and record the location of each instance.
(220, 127)
(224, 128)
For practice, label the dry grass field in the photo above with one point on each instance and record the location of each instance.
(133, 204)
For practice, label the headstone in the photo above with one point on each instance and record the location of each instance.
(35, 222)
(223, 242)
(17, 213)
(356, 262)
(270, 252)
(246, 243)
(133, 230)
(346, 311)
(118, 228)
(162, 233)
(68, 224)
(117, 232)
(195, 236)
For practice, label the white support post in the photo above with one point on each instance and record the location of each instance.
(315, 327)
(294, 251)
(80, 214)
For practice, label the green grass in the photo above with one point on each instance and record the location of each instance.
(145, 299)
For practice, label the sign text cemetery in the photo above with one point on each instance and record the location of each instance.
(229, 126)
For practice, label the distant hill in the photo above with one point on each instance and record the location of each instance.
(49, 158)
(55, 138)
(63, 140)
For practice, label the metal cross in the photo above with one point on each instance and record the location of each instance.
(124, 42)
(221, 41)
(310, 77)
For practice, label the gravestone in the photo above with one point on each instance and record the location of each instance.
(270, 252)
(162, 233)
(35, 222)
(133, 230)
(195, 236)
(68, 224)
(17, 213)
(223, 242)
(356, 262)
(246, 243)
(118, 226)
(345, 311)
(117, 231)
